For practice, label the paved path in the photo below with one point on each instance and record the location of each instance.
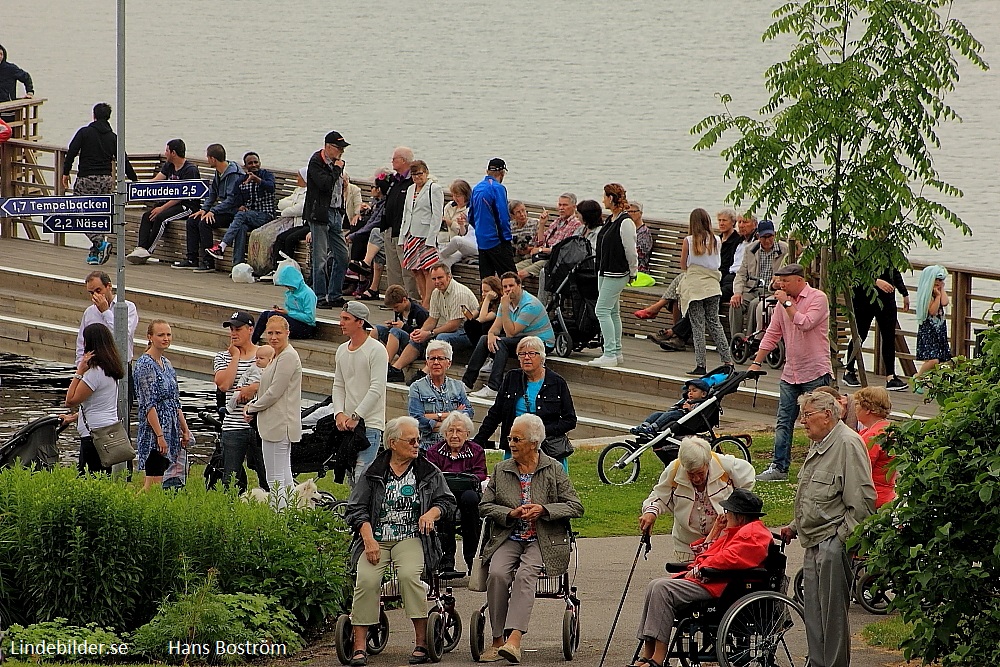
(603, 569)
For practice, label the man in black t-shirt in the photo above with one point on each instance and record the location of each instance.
(155, 220)
(392, 220)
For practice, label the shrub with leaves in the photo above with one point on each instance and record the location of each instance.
(59, 630)
(99, 550)
(938, 545)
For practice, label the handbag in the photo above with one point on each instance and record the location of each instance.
(557, 446)
(480, 566)
(111, 442)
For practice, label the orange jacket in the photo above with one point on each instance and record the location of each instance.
(740, 549)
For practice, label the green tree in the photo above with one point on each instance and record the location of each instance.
(843, 149)
(938, 545)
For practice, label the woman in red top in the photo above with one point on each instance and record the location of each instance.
(738, 541)
(873, 406)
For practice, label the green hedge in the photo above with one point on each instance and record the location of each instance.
(102, 551)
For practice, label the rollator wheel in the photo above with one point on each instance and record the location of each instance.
(435, 636)
(607, 465)
(343, 639)
(563, 345)
(872, 597)
(477, 634)
(378, 635)
(452, 630)
(570, 633)
(776, 357)
(740, 347)
(762, 628)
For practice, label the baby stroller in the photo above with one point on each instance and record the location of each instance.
(34, 444)
(571, 279)
(746, 346)
(618, 463)
(323, 446)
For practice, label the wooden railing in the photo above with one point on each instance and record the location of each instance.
(26, 117)
(30, 168)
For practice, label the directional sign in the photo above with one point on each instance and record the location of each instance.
(80, 205)
(157, 190)
(76, 224)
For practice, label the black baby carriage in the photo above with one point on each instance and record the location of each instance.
(618, 463)
(34, 444)
(571, 280)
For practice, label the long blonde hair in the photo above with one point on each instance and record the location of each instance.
(703, 241)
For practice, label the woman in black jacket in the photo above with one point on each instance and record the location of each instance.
(533, 389)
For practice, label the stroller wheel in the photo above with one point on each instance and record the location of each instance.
(563, 344)
(741, 348)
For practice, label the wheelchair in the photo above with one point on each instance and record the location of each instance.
(753, 622)
(444, 625)
(549, 587)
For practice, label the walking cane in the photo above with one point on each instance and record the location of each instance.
(643, 543)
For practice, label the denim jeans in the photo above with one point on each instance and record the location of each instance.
(458, 339)
(237, 445)
(788, 412)
(608, 311)
(506, 347)
(384, 332)
(328, 256)
(366, 457)
(238, 234)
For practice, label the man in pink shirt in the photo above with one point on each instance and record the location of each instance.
(802, 320)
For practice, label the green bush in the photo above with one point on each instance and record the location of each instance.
(61, 642)
(195, 626)
(99, 550)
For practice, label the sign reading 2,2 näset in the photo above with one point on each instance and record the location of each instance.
(77, 224)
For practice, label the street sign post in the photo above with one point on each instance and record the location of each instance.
(160, 190)
(81, 205)
(77, 224)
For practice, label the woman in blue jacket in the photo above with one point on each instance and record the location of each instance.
(300, 305)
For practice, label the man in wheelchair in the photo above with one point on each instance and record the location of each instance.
(738, 541)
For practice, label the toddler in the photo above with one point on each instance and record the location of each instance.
(696, 391)
(265, 353)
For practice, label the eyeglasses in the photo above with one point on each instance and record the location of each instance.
(438, 359)
(515, 440)
(527, 354)
(409, 441)
(806, 415)
(418, 173)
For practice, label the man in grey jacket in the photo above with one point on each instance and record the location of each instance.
(835, 493)
(753, 279)
(218, 210)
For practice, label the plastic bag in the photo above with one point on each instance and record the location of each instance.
(242, 273)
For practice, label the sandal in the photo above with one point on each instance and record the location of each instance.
(369, 295)
(359, 659)
(644, 314)
(419, 656)
(648, 662)
(360, 267)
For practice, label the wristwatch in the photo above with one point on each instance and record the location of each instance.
(788, 303)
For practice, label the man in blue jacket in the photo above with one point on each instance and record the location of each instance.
(489, 216)
(257, 207)
(218, 210)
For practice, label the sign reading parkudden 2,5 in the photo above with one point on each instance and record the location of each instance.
(77, 224)
(80, 205)
(160, 190)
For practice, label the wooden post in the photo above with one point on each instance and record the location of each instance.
(961, 293)
(6, 228)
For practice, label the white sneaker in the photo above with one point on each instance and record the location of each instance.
(138, 256)
(605, 360)
(485, 392)
(267, 277)
(487, 367)
(621, 359)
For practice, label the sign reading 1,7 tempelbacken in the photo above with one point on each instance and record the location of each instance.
(80, 205)
(159, 190)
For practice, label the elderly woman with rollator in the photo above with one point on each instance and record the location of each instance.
(528, 504)
(392, 510)
(737, 541)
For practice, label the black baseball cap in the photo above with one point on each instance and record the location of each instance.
(239, 319)
(336, 138)
(497, 164)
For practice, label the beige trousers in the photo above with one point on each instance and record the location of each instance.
(408, 558)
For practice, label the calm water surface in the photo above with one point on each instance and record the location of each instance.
(573, 93)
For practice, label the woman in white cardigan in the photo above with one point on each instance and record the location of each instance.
(692, 488)
(423, 210)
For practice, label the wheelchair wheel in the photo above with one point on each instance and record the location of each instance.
(776, 357)
(435, 636)
(607, 465)
(798, 587)
(734, 446)
(452, 630)
(343, 639)
(378, 635)
(872, 597)
(762, 628)
(477, 634)
(563, 345)
(740, 347)
(570, 633)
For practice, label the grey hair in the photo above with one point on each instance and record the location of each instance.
(821, 401)
(534, 428)
(727, 212)
(405, 152)
(532, 343)
(456, 416)
(570, 196)
(514, 203)
(695, 453)
(442, 345)
(395, 428)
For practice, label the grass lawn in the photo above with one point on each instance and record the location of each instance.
(887, 633)
(614, 510)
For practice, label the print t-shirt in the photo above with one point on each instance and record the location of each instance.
(524, 531)
(400, 508)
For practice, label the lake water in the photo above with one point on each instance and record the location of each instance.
(573, 93)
